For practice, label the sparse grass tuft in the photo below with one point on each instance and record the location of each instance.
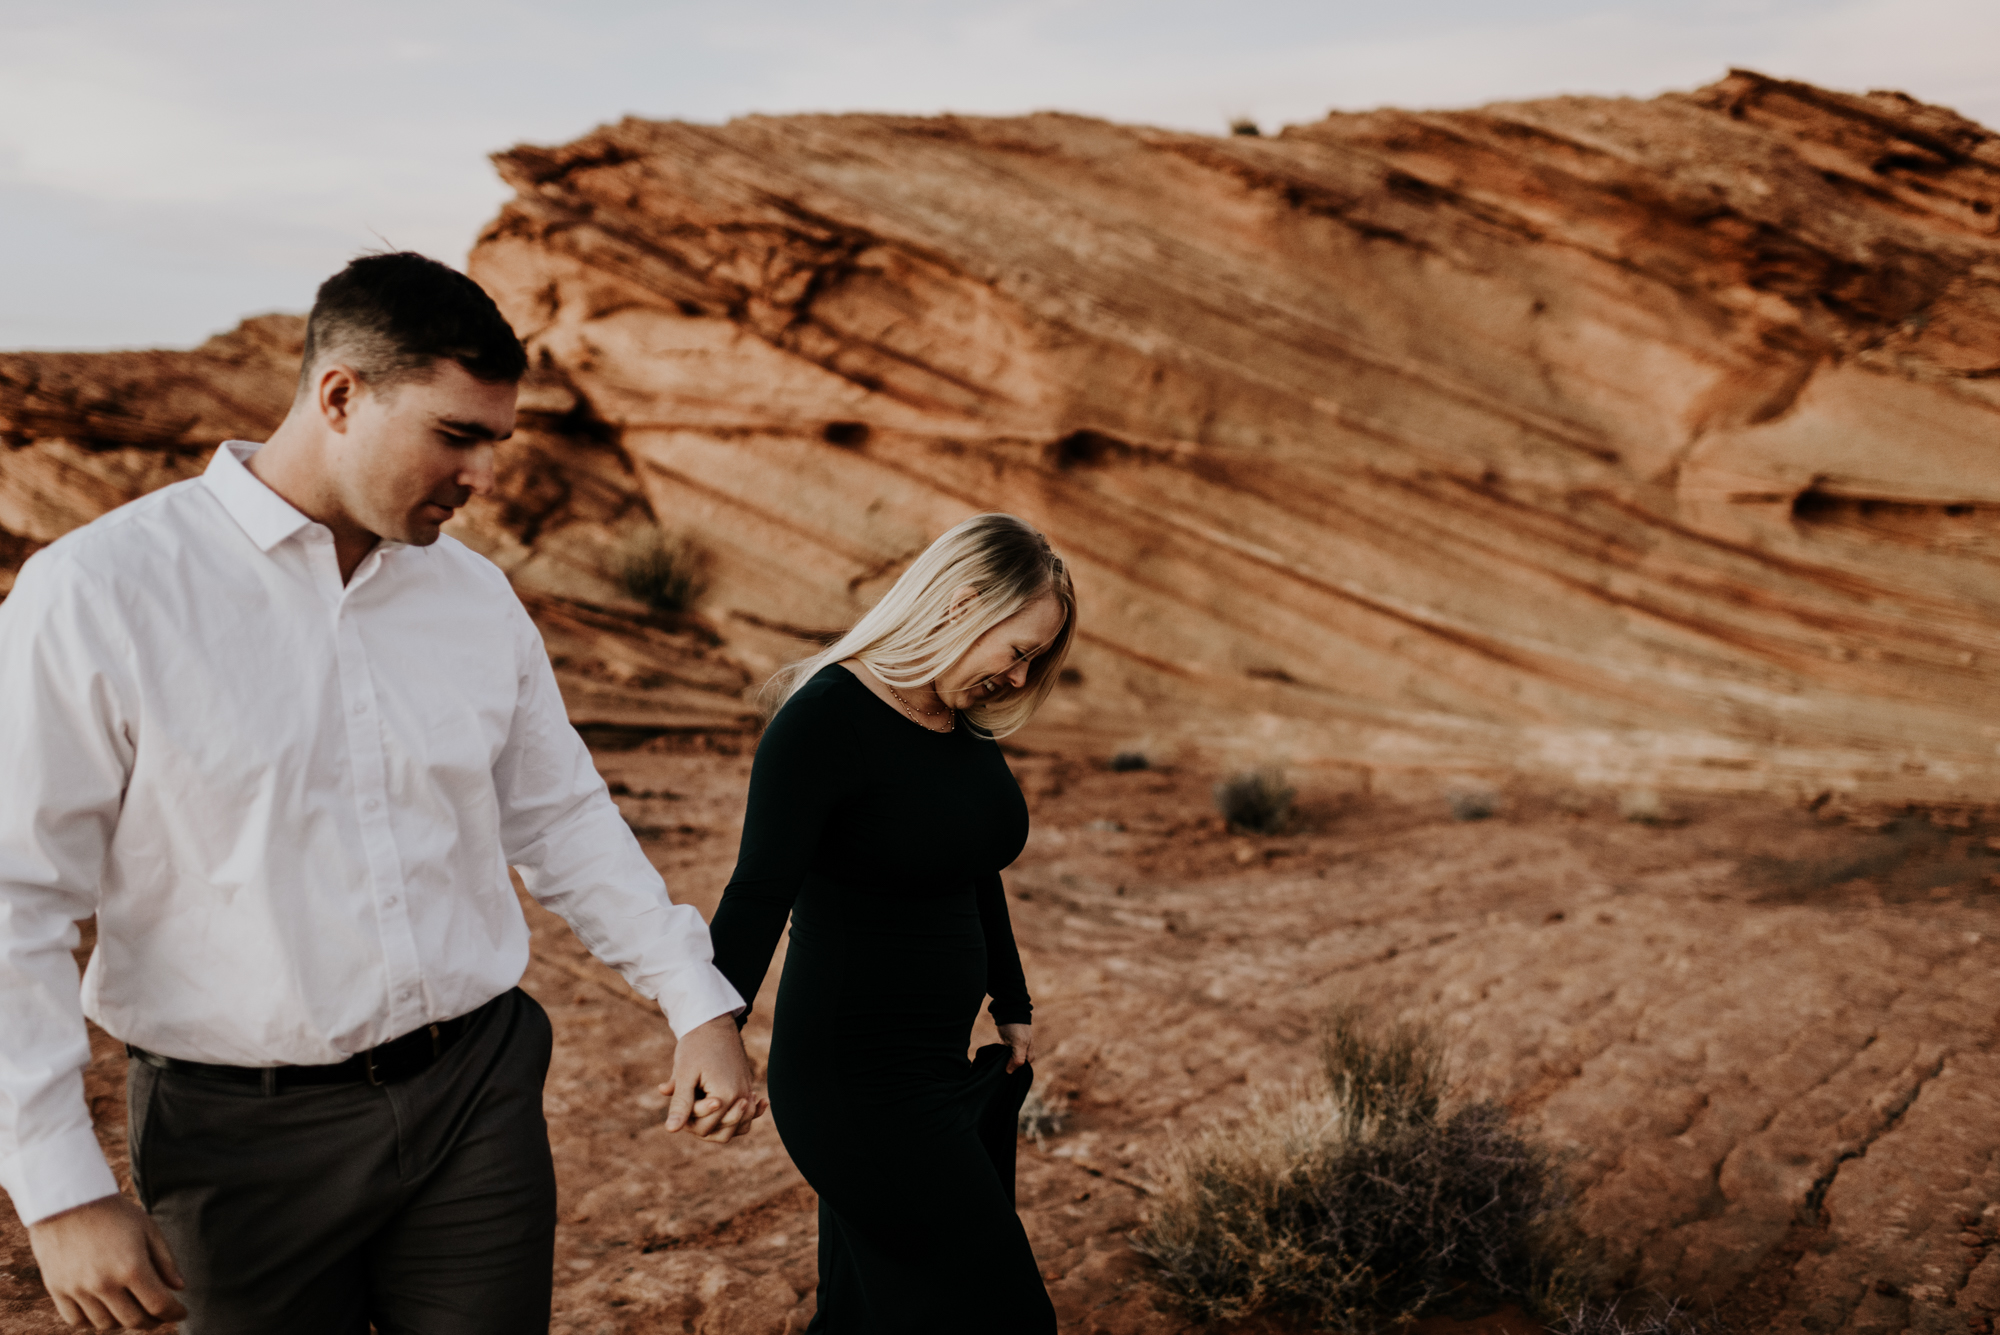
(1666, 1317)
(1256, 801)
(1382, 1071)
(1041, 1117)
(667, 573)
(1361, 1199)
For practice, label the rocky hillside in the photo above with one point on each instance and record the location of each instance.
(81, 433)
(1597, 437)
(1610, 440)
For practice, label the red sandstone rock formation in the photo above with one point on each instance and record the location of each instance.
(82, 433)
(1607, 438)
(85, 432)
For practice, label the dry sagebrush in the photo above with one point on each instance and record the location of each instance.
(1256, 801)
(667, 572)
(1361, 1199)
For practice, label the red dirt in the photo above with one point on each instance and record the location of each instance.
(1764, 1036)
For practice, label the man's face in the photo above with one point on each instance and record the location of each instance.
(409, 456)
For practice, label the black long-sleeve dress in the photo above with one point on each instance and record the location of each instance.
(884, 842)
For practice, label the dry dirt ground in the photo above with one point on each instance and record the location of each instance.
(1763, 1035)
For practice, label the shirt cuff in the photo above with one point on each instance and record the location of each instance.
(57, 1173)
(693, 996)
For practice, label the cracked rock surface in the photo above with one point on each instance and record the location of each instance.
(1763, 1039)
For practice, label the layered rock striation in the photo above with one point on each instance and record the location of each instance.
(1610, 439)
(82, 433)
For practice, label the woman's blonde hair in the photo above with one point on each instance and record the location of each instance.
(911, 636)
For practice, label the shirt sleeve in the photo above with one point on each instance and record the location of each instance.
(793, 790)
(66, 747)
(1006, 983)
(577, 857)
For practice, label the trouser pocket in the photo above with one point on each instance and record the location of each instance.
(141, 1083)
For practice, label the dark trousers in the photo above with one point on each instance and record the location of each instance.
(426, 1207)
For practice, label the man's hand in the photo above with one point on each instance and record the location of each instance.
(107, 1266)
(713, 1091)
(1020, 1040)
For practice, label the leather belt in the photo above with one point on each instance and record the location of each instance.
(398, 1059)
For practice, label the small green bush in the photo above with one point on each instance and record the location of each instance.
(668, 574)
(1255, 801)
(1361, 1200)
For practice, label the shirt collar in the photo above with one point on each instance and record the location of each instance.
(261, 513)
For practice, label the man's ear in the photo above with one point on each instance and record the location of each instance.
(335, 389)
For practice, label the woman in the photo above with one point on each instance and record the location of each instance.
(880, 815)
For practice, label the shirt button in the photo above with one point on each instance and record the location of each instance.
(389, 903)
(361, 706)
(370, 804)
(403, 995)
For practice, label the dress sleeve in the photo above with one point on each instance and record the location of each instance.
(1005, 982)
(794, 785)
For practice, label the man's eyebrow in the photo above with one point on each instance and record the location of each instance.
(477, 430)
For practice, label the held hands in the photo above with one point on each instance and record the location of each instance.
(1020, 1040)
(713, 1093)
(107, 1266)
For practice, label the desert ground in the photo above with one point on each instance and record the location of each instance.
(1761, 1035)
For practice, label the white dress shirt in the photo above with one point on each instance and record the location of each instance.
(290, 803)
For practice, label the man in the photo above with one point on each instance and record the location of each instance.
(284, 740)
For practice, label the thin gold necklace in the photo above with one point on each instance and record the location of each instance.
(931, 713)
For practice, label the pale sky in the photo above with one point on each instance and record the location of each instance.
(166, 169)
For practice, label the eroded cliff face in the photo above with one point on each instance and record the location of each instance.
(83, 433)
(1602, 438)
(1615, 441)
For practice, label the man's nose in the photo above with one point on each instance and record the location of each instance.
(477, 473)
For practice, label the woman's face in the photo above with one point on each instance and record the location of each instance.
(998, 661)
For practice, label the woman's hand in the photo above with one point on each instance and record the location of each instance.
(1020, 1038)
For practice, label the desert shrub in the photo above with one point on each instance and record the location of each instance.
(1126, 761)
(1361, 1198)
(1255, 801)
(1642, 806)
(1393, 1071)
(667, 573)
(1472, 803)
(1041, 1117)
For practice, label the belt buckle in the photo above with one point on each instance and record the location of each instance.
(404, 1065)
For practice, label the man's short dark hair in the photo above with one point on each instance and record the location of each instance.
(394, 317)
